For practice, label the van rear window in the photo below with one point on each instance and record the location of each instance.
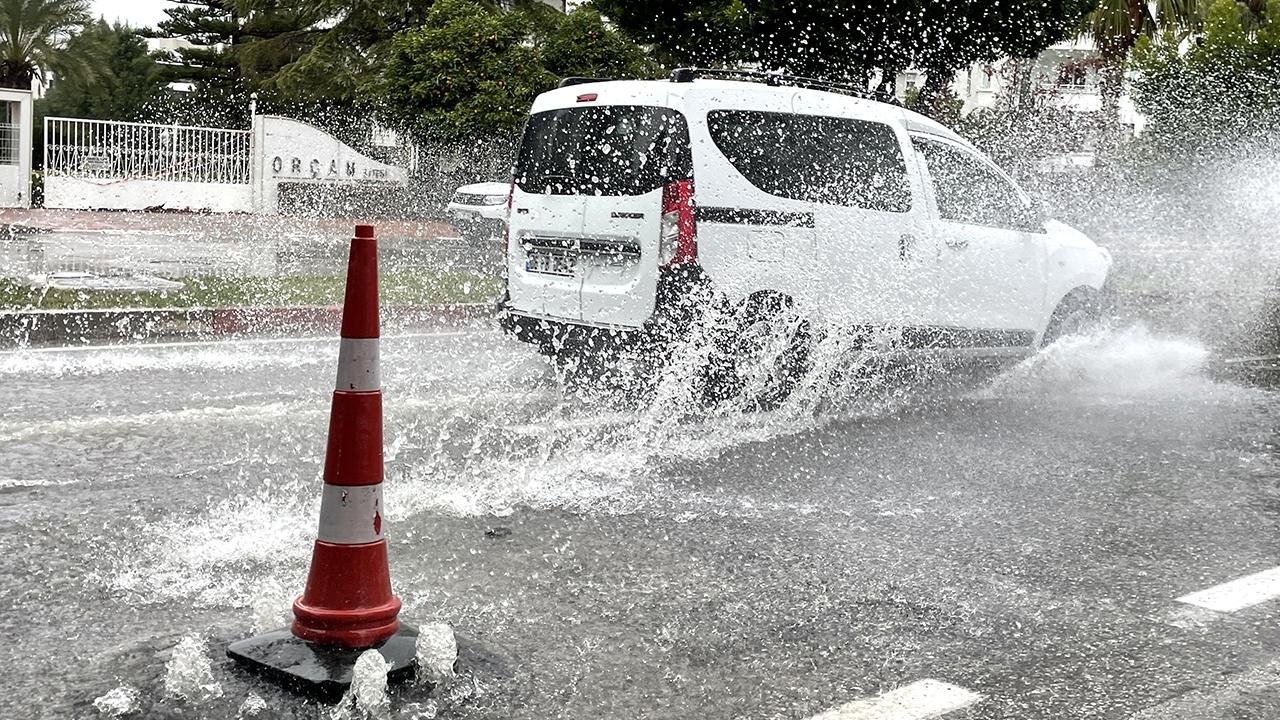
(827, 160)
(603, 150)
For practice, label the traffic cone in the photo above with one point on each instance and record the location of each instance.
(347, 606)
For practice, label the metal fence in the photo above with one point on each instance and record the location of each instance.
(110, 150)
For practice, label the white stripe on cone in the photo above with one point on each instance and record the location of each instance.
(358, 365)
(351, 515)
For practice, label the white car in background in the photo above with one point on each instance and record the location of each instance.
(636, 202)
(479, 211)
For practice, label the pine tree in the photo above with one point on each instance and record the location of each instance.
(217, 88)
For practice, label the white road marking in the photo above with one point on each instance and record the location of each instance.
(207, 343)
(1237, 594)
(920, 700)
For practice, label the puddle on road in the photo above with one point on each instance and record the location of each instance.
(503, 434)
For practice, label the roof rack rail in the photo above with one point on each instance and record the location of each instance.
(689, 74)
(574, 80)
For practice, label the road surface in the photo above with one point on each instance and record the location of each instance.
(1014, 549)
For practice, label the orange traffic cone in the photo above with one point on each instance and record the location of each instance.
(347, 606)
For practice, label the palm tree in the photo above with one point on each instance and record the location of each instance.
(32, 35)
(1115, 26)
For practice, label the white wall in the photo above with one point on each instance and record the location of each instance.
(15, 180)
(87, 194)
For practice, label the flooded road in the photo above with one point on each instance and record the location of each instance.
(1026, 539)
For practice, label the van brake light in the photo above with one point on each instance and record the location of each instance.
(679, 242)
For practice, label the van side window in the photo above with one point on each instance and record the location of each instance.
(968, 190)
(815, 158)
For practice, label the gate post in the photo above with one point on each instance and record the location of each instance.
(257, 161)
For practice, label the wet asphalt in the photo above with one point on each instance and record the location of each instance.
(1024, 538)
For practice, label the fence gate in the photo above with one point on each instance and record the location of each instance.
(100, 164)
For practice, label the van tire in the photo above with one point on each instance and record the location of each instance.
(759, 315)
(1079, 312)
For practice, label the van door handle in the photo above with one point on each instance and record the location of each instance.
(957, 243)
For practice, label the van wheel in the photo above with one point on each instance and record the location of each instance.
(771, 350)
(1079, 312)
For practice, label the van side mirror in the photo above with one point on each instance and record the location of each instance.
(1034, 216)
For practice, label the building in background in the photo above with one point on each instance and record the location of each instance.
(1066, 75)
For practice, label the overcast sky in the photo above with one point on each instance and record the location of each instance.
(138, 13)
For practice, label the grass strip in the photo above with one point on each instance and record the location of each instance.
(291, 290)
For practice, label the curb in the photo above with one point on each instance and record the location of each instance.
(20, 328)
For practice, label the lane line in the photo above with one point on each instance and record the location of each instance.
(921, 700)
(1237, 594)
(206, 343)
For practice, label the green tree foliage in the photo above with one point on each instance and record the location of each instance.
(580, 44)
(1116, 26)
(323, 50)
(1225, 88)
(709, 33)
(232, 53)
(126, 84)
(471, 68)
(33, 34)
(213, 29)
(467, 69)
(845, 39)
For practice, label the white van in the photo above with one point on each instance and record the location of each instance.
(628, 194)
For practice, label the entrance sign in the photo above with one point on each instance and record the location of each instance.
(295, 152)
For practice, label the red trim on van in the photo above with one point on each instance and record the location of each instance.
(587, 97)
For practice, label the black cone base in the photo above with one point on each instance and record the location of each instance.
(321, 670)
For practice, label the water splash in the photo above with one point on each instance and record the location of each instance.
(118, 702)
(511, 436)
(367, 698)
(1109, 364)
(164, 420)
(271, 605)
(230, 357)
(437, 651)
(252, 707)
(189, 673)
(427, 710)
(224, 556)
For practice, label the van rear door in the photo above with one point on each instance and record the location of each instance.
(591, 177)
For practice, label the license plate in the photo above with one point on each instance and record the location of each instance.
(552, 263)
